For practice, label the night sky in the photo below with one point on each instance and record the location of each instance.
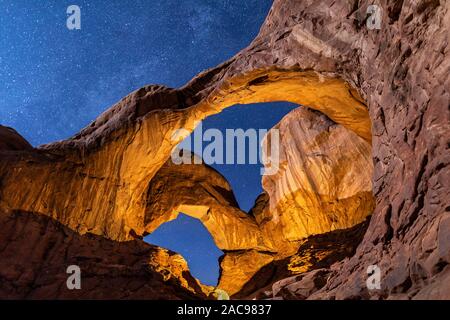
(55, 81)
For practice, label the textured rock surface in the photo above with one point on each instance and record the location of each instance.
(119, 153)
(201, 192)
(388, 86)
(407, 91)
(36, 251)
(315, 252)
(197, 190)
(324, 182)
(402, 73)
(239, 269)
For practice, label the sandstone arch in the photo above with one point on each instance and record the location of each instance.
(124, 147)
(96, 182)
(201, 192)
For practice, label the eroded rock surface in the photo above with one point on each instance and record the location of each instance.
(120, 152)
(325, 177)
(201, 192)
(11, 140)
(37, 250)
(285, 278)
(402, 73)
(323, 184)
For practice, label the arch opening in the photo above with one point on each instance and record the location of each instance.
(187, 236)
(253, 118)
(323, 185)
(199, 212)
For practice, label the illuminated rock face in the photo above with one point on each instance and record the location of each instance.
(390, 87)
(324, 182)
(249, 241)
(201, 192)
(314, 254)
(120, 152)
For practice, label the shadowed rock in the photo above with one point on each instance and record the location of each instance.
(37, 250)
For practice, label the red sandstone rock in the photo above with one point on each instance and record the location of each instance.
(37, 250)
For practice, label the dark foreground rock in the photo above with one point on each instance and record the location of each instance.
(36, 252)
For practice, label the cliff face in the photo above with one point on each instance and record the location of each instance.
(280, 278)
(402, 72)
(324, 182)
(388, 88)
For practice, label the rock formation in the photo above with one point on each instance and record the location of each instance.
(324, 182)
(37, 250)
(388, 88)
(282, 278)
(408, 103)
(200, 191)
(10, 140)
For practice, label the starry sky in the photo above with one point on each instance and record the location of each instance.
(54, 81)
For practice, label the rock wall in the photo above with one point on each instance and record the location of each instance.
(325, 177)
(401, 71)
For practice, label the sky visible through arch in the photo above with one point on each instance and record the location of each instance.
(54, 81)
(196, 244)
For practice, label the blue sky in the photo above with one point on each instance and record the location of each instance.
(54, 81)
